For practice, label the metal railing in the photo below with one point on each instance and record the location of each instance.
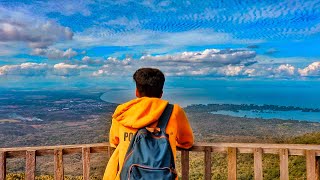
(311, 153)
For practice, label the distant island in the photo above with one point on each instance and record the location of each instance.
(246, 107)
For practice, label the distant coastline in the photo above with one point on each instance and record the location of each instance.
(259, 111)
(237, 107)
(288, 93)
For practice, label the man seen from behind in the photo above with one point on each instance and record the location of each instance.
(144, 111)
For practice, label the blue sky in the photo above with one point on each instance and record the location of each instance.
(52, 42)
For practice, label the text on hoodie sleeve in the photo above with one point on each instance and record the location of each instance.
(114, 133)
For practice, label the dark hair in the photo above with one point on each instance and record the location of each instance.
(149, 82)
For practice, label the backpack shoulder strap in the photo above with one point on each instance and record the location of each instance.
(165, 116)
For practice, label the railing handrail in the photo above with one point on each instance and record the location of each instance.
(196, 146)
(310, 151)
(14, 152)
(199, 146)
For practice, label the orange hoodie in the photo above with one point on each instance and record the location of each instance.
(139, 113)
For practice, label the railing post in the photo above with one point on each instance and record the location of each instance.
(109, 151)
(3, 163)
(58, 164)
(258, 172)
(30, 165)
(185, 164)
(86, 162)
(317, 167)
(284, 172)
(207, 162)
(232, 163)
(311, 164)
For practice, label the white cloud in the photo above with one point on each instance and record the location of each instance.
(280, 13)
(275, 10)
(129, 24)
(24, 69)
(285, 70)
(236, 63)
(208, 62)
(108, 37)
(214, 56)
(63, 69)
(100, 72)
(67, 8)
(19, 25)
(86, 58)
(206, 15)
(312, 70)
(158, 6)
(53, 53)
(184, 64)
(249, 72)
(92, 61)
(69, 53)
(269, 71)
(231, 70)
(41, 69)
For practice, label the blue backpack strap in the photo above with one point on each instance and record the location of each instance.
(165, 116)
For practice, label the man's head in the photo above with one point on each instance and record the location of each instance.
(149, 82)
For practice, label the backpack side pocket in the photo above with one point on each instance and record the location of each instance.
(139, 172)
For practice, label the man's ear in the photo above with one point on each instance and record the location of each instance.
(137, 93)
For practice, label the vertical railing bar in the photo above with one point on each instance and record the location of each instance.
(207, 162)
(109, 151)
(58, 164)
(3, 164)
(311, 164)
(232, 163)
(184, 164)
(284, 171)
(30, 165)
(86, 162)
(258, 171)
(317, 167)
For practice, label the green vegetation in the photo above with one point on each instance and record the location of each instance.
(309, 138)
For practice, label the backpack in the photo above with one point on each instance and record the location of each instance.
(149, 155)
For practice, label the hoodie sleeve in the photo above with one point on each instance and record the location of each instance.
(114, 133)
(184, 132)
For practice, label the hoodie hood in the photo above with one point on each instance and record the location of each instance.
(139, 112)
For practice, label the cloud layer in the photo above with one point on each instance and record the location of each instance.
(53, 53)
(235, 63)
(93, 37)
(210, 62)
(312, 70)
(40, 69)
(24, 69)
(19, 25)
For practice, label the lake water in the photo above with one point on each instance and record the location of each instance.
(283, 93)
(285, 115)
(197, 91)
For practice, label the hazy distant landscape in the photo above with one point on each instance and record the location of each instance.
(29, 118)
